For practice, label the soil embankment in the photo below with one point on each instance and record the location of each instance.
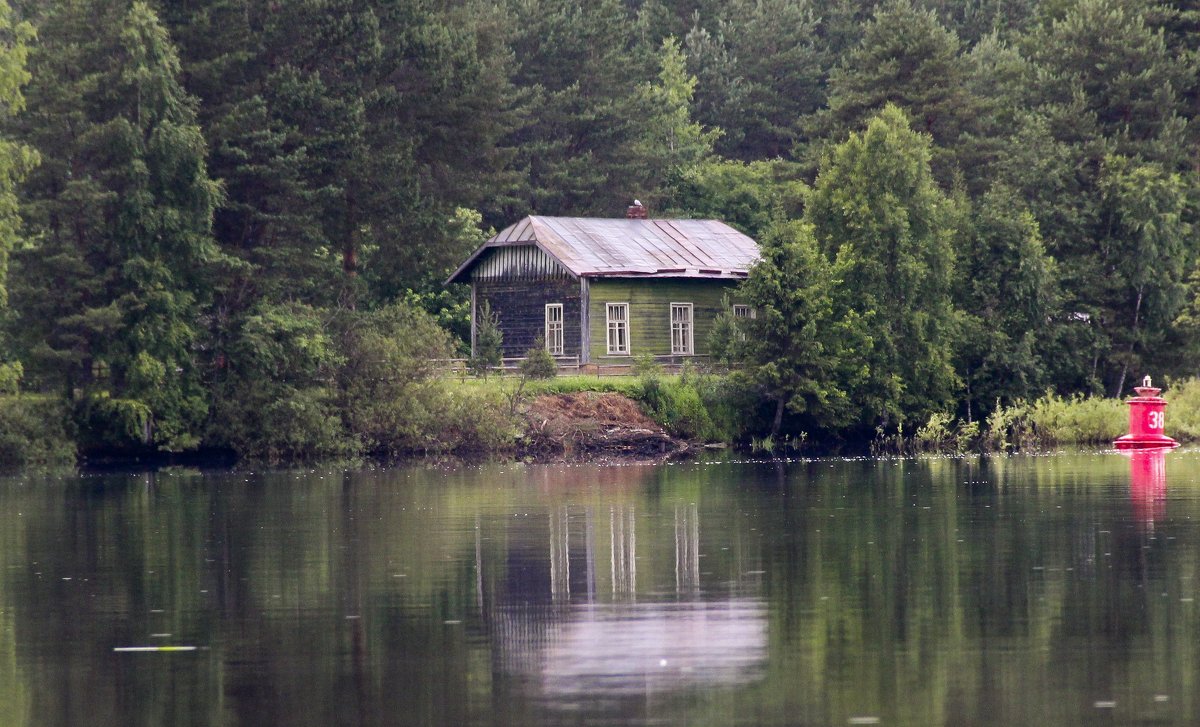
(595, 425)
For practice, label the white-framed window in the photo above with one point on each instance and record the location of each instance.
(743, 311)
(617, 315)
(554, 329)
(681, 329)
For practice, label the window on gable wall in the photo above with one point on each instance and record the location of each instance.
(554, 329)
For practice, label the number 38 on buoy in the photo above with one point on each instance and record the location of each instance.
(1147, 420)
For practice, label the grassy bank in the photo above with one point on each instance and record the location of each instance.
(486, 417)
(1049, 421)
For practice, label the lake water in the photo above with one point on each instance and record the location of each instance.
(1053, 590)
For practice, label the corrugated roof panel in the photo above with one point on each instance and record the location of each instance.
(599, 247)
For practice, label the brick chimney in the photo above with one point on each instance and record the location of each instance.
(635, 211)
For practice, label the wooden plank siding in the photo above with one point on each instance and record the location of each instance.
(650, 302)
(518, 282)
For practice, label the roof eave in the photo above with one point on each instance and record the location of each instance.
(459, 275)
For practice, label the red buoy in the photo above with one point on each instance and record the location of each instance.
(1147, 420)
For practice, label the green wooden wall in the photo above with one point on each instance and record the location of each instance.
(650, 302)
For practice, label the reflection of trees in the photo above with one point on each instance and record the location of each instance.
(924, 592)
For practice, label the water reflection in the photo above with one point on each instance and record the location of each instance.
(1148, 484)
(613, 651)
(914, 592)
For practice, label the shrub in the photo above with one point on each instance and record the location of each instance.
(33, 432)
(10, 377)
(1077, 420)
(388, 395)
(113, 423)
(1183, 414)
(538, 363)
(277, 397)
(472, 420)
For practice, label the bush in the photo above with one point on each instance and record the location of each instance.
(109, 423)
(389, 396)
(10, 377)
(538, 363)
(1077, 420)
(277, 397)
(471, 421)
(1183, 414)
(33, 432)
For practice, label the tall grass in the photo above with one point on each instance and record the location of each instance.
(1048, 421)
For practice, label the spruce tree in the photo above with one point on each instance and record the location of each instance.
(122, 208)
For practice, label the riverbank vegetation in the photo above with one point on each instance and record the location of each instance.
(226, 224)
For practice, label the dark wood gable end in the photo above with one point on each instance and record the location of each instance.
(557, 262)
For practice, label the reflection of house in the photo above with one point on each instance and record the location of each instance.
(634, 648)
(605, 289)
(599, 634)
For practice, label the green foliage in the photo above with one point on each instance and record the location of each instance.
(538, 363)
(16, 158)
(646, 366)
(1002, 202)
(801, 350)
(109, 423)
(10, 378)
(126, 276)
(625, 385)
(876, 209)
(1055, 420)
(1007, 292)
(472, 420)
(277, 394)
(34, 432)
(489, 340)
(673, 142)
(749, 196)
(1183, 412)
(909, 60)
(388, 396)
(761, 67)
(676, 404)
(726, 337)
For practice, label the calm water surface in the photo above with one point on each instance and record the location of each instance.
(1055, 590)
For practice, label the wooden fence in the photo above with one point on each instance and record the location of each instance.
(568, 366)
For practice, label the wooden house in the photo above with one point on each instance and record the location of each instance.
(603, 290)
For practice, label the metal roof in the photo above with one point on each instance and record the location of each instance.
(596, 247)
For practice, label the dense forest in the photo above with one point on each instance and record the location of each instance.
(224, 222)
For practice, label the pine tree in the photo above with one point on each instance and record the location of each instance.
(906, 58)
(578, 154)
(761, 68)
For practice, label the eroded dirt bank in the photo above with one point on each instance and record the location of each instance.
(595, 425)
